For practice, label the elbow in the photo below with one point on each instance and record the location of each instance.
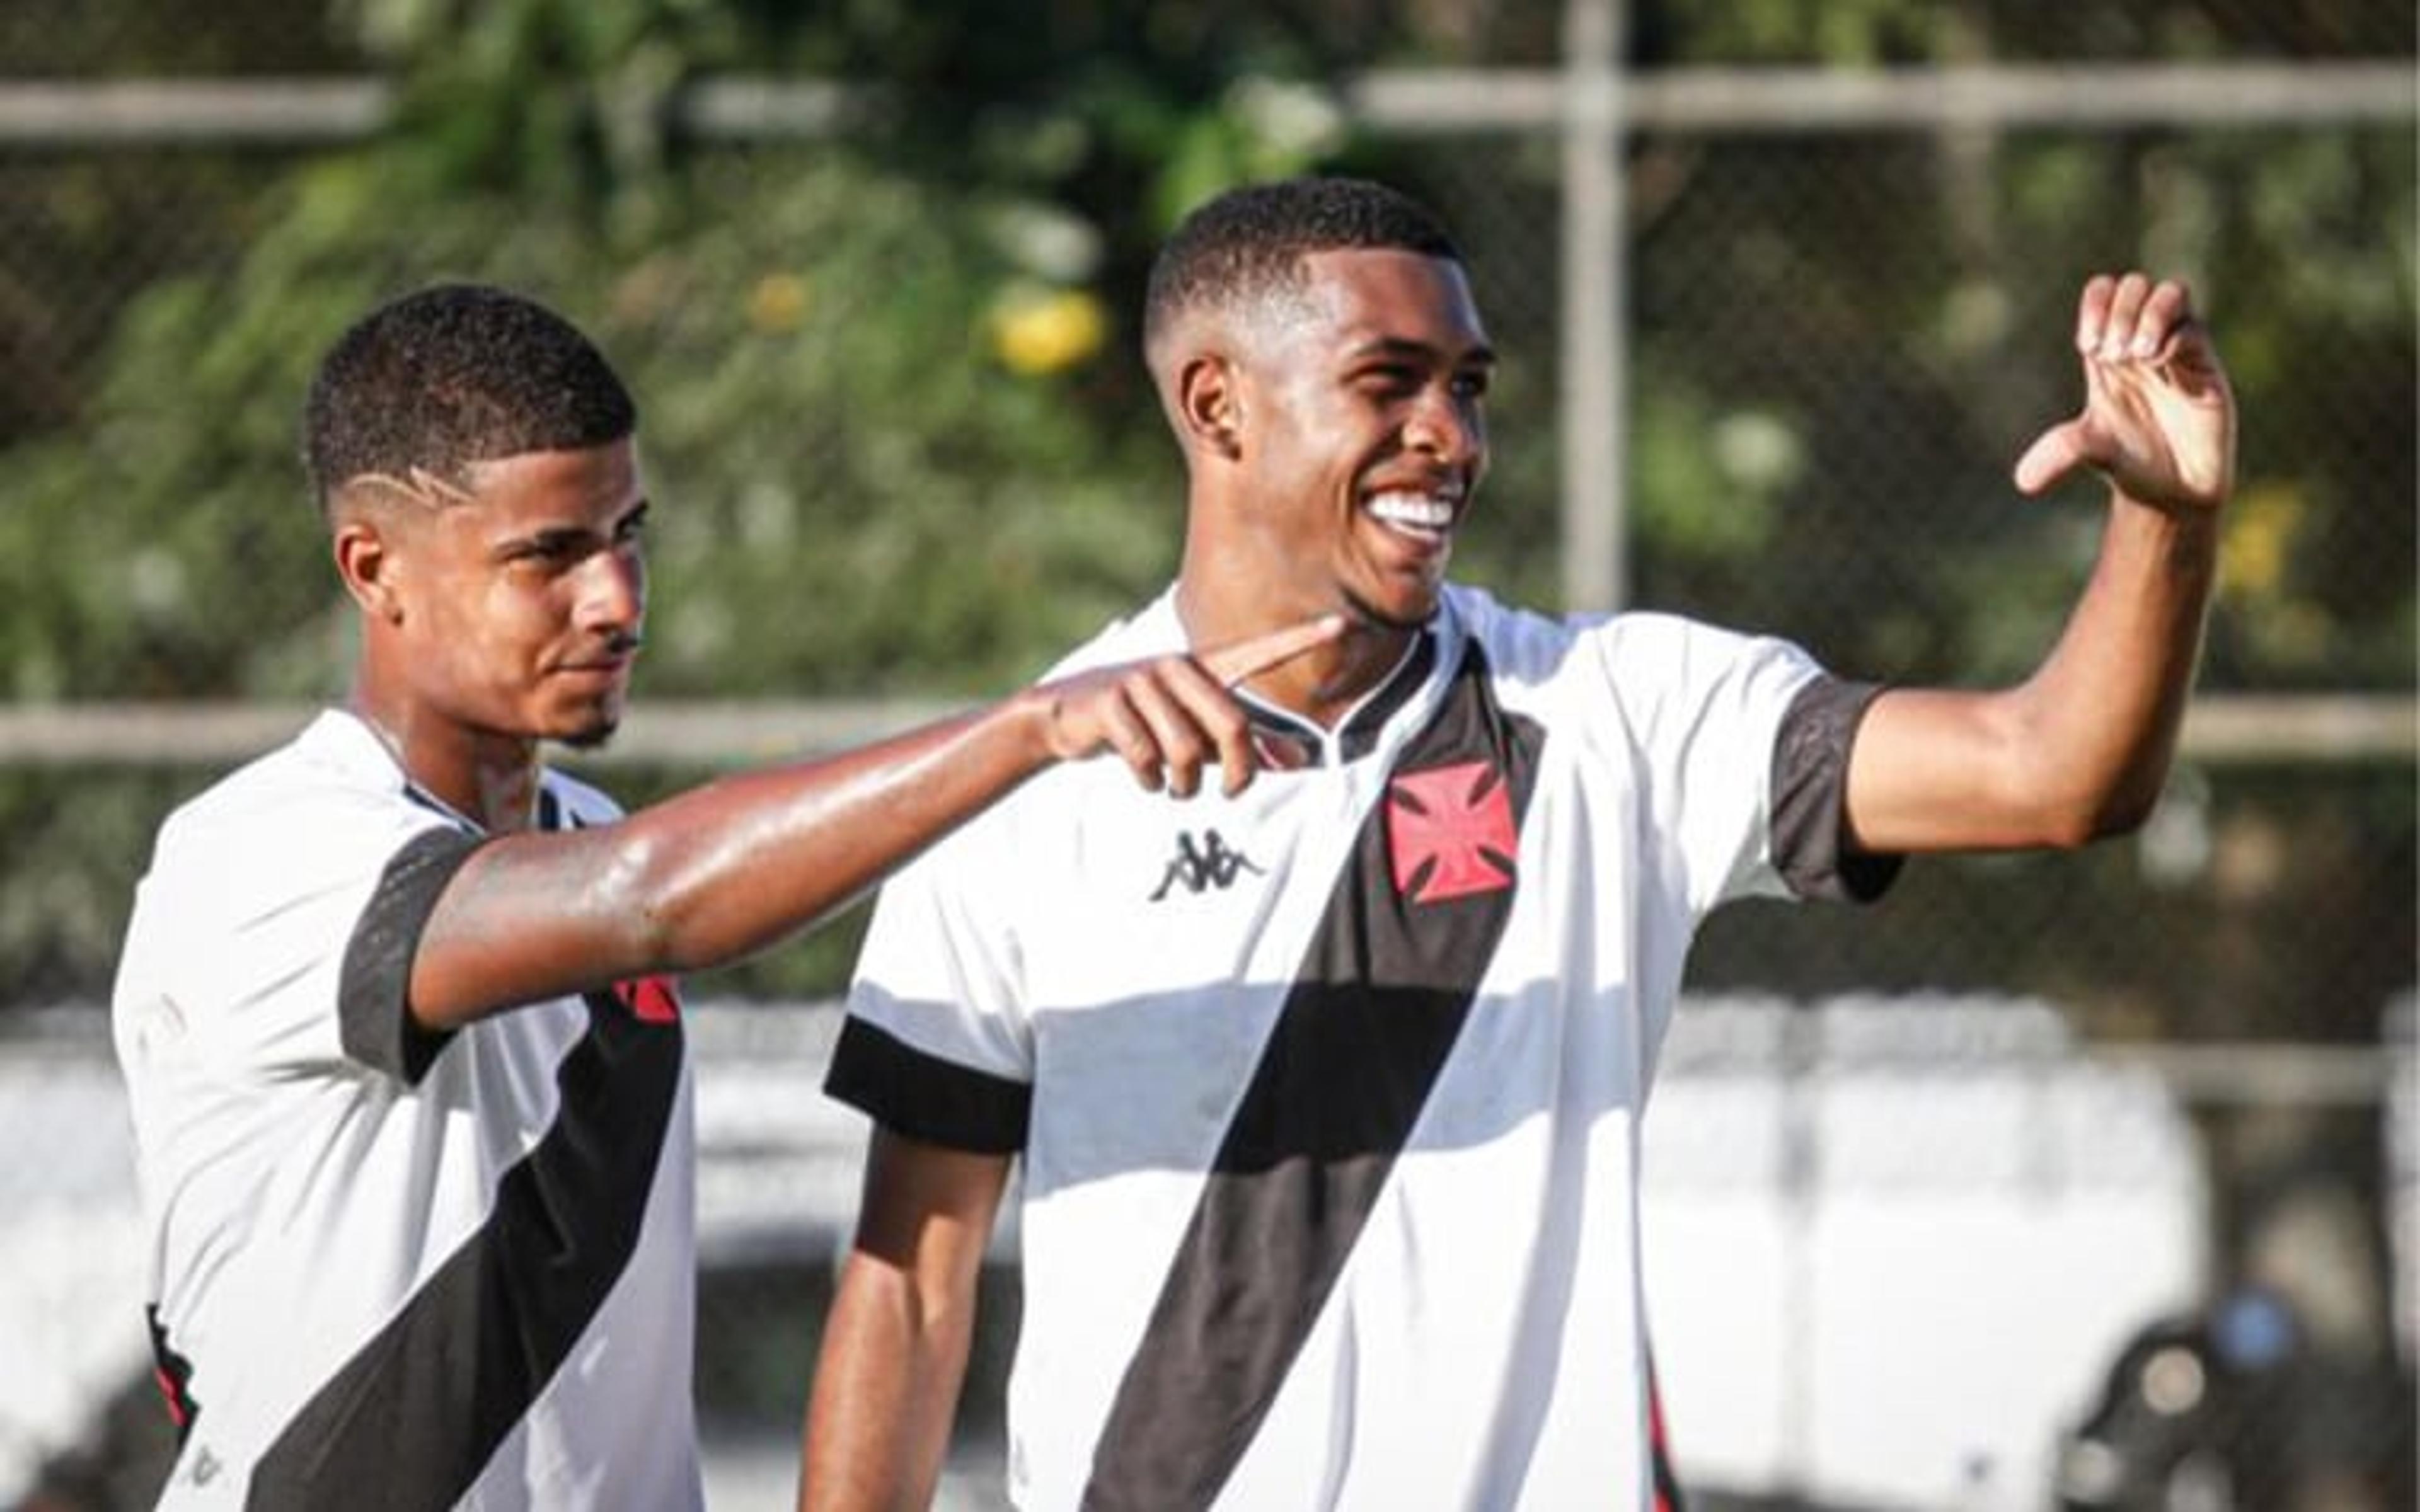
(2074, 796)
(2125, 812)
(2126, 805)
(2067, 831)
(2072, 822)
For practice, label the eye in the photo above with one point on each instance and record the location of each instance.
(633, 528)
(1390, 381)
(550, 553)
(1473, 385)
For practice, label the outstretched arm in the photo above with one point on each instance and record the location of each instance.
(2081, 748)
(726, 868)
(895, 1348)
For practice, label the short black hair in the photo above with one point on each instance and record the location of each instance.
(452, 375)
(1251, 241)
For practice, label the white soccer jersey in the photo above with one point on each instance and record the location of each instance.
(1328, 1094)
(394, 1269)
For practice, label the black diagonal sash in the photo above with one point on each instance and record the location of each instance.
(410, 1421)
(1382, 991)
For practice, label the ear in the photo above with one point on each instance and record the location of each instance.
(368, 565)
(1209, 405)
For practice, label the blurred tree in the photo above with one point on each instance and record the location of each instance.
(1841, 344)
(894, 413)
(888, 401)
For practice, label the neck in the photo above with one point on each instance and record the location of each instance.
(1321, 684)
(490, 779)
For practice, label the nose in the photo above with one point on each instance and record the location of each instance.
(1446, 424)
(613, 590)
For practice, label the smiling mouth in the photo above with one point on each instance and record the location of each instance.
(596, 671)
(1424, 517)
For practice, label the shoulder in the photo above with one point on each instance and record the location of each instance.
(324, 771)
(1637, 667)
(1526, 647)
(1151, 630)
(1647, 636)
(1659, 650)
(1530, 645)
(328, 801)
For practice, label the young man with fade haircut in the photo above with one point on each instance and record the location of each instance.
(409, 1097)
(1327, 1095)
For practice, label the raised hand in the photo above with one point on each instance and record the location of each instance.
(1168, 716)
(2158, 418)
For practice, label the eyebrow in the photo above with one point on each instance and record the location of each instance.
(1480, 355)
(556, 538)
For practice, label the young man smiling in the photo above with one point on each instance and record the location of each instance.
(1329, 1162)
(410, 1103)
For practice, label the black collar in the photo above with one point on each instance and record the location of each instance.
(1299, 742)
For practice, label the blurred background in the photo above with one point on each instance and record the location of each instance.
(2052, 1182)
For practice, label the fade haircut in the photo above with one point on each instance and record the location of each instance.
(450, 376)
(1250, 243)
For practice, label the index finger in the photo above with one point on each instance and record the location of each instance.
(1238, 660)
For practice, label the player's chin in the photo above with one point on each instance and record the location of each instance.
(591, 737)
(1399, 607)
(587, 727)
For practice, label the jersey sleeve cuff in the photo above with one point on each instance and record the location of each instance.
(1811, 796)
(373, 1007)
(924, 1097)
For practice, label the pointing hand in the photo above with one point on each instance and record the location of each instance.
(1168, 716)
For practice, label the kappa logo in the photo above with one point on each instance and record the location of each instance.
(1449, 833)
(650, 999)
(1207, 864)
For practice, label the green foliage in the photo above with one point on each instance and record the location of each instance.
(899, 440)
(862, 482)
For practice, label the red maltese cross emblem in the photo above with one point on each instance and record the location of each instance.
(1449, 832)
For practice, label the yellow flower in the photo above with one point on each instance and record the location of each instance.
(2258, 539)
(778, 303)
(1041, 333)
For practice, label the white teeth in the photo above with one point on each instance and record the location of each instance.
(1425, 513)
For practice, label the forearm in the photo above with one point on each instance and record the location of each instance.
(886, 1390)
(730, 868)
(894, 1350)
(2077, 750)
(2097, 723)
(715, 872)
(734, 866)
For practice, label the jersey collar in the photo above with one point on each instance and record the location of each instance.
(345, 736)
(1399, 703)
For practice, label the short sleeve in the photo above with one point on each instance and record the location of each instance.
(936, 1045)
(1810, 795)
(1704, 707)
(373, 998)
(283, 939)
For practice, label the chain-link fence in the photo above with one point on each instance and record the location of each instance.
(1834, 338)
